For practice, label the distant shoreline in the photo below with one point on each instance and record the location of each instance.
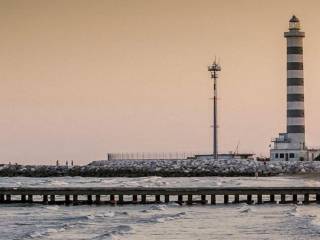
(165, 168)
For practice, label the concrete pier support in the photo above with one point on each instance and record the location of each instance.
(203, 199)
(30, 198)
(45, 199)
(189, 202)
(295, 198)
(272, 198)
(120, 199)
(52, 199)
(8, 198)
(67, 199)
(236, 198)
(135, 198)
(226, 199)
(213, 199)
(75, 199)
(89, 199)
(112, 199)
(144, 198)
(98, 199)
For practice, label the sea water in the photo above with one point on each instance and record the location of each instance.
(164, 221)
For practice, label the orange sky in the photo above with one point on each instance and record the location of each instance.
(82, 78)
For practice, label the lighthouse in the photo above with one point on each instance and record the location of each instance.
(291, 145)
(295, 85)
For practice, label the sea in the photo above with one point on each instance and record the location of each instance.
(160, 221)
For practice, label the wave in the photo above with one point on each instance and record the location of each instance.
(115, 231)
(310, 212)
(58, 183)
(160, 218)
(42, 233)
(158, 207)
(53, 208)
(246, 209)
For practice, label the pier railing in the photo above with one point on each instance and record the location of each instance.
(152, 155)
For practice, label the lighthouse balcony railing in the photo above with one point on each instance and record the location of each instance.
(280, 140)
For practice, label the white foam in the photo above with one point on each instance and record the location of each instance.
(158, 207)
(312, 212)
(53, 208)
(52, 230)
(36, 235)
(91, 217)
(58, 183)
(245, 209)
(161, 218)
(109, 214)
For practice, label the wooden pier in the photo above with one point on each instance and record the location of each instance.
(189, 196)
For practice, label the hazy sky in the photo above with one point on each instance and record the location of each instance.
(82, 78)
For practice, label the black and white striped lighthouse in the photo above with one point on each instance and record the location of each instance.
(291, 145)
(295, 85)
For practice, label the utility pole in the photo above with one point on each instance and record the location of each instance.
(214, 69)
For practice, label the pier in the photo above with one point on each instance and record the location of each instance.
(188, 196)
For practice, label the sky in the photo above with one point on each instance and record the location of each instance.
(80, 78)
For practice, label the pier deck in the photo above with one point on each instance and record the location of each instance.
(119, 195)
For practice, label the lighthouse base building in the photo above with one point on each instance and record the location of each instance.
(291, 145)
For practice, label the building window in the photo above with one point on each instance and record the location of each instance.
(291, 155)
(281, 155)
(276, 155)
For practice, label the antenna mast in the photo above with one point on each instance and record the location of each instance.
(214, 69)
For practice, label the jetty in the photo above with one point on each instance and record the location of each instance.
(140, 195)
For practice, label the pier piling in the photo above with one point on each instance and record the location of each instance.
(143, 198)
(203, 199)
(67, 199)
(213, 199)
(45, 199)
(189, 202)
(236, 198)
(98, 199)
(75, 199)
(282, 199)
(134, 198)
(226, 199)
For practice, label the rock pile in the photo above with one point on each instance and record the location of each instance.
(165, 168)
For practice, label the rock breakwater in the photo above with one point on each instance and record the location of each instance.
(165, 168)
